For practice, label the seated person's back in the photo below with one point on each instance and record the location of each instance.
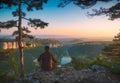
(47, 60)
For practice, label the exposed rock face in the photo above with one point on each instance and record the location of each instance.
(14, 45)
(55, 45)
(95, 74)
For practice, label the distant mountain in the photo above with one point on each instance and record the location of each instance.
(70, 40)
(50, 36)
(7, 37)
(48, 41)
(62, 38)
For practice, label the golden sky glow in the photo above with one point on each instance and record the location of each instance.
(70, 21)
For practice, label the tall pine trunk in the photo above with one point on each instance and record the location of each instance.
(20, 40)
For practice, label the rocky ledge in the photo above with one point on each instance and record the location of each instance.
(67, 74)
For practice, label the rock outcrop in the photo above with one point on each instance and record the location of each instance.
(95, 74)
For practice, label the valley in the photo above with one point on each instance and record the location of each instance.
(69, 48)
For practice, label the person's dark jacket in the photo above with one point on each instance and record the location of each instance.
(47, 61)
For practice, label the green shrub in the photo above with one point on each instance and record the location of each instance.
(83, 62)
(9, 67)
(3, 76)
(78, 63)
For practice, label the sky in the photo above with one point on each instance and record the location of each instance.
(70, 21)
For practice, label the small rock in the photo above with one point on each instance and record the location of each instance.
(98, 69)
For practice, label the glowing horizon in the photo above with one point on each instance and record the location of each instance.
(70, 21)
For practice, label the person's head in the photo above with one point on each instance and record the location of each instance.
(47, 48)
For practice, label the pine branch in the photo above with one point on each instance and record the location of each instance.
(25, 32)
(81, 3)
(36, 4)
(8, 24)
(15, 33)
(8, 3)
(112, 12)
(27, 36)
(36, 23)
(15, 13)
(25, 29)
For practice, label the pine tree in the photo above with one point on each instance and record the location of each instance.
(30, 5)
(113, 49)
(113, 12)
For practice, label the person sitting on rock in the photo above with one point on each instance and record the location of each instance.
(47, 60)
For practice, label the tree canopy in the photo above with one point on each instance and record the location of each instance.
(81, 3)
(113, 12)
(113, 49)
